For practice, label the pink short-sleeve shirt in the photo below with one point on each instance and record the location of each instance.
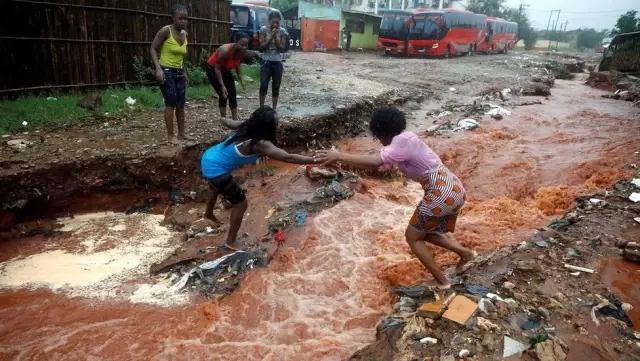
(411, 154)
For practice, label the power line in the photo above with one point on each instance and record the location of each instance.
(588, 12)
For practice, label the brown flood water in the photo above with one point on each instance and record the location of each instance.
(321, 299)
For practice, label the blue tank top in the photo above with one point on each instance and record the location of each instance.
(222, 159)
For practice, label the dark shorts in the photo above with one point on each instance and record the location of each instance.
(174, 89)
(229, 83)
(271, 70)
(227, 187)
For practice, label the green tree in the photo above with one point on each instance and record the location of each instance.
(627, 23)
(589, 38)
(525, 31)
(283, 5)
(495, 8)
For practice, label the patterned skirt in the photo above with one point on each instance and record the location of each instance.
(444, 195)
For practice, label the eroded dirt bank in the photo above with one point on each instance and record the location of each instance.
(328, 285)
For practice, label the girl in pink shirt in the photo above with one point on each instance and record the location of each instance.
(444, 194)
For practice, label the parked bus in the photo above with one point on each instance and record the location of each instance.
(249, 17)
(501, 35)
(392, 38)
(445, 32)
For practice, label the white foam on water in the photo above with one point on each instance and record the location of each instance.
(102, 258)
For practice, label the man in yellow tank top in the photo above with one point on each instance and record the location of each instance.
(171, 43)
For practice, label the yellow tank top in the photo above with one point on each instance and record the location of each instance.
(171, 53)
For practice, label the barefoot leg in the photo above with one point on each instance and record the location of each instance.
(211, 203)
(237, 212)
(416, 241)
(440, 240)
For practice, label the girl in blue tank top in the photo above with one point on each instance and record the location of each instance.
(254, 138)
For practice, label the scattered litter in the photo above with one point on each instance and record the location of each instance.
(316, 172)
(542, 244)
(636, 182)
(595, 201)
(541, 336)
(414, 292)
(444, 114)
(270, 213)
(494, 297)
(508, 285)
(512, 347)
(486, 325)
(572, 252)
(464, 353)
(391, 322)
(301, 217)
(279, 236)
(533, 322)
(581, 269)
(19, 144)
(25, 123)
(460, 310)
(505, 93)
(637, 219)
(52, 98)
(575, 274)
(486, 306)
(430, 340)
(635, 197)
(435, 310)
(453, 90)
(130, 101)
(611, 307)
(495, 110)
(477, 290)
(558, 224)
(466, 124)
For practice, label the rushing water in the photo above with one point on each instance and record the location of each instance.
(321, 298)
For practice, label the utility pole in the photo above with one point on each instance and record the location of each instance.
(554, 28)
(440, 5)
(549, 23)
(563, 31)
(375, 9)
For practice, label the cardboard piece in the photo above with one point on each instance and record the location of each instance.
(460, 309)
(434, 310)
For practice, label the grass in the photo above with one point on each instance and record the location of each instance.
(46, 112)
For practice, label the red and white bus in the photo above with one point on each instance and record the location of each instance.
(501, 35)
(392, 38)
(445, 32)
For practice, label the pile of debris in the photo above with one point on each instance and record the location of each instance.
(627, 89)
(519, 300)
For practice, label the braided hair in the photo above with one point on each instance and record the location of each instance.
(176, 8)
(261, 125)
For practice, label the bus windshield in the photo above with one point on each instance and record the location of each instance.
(393, 25)
(425, 27)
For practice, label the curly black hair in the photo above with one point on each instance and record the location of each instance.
(261, 125)
(386, 123)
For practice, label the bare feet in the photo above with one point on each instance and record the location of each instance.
(465, 259)
(213, 219)
(438, 285)
(185, 137)
(226, 245)
(173, 140)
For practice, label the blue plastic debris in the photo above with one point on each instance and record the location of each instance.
(301, 217)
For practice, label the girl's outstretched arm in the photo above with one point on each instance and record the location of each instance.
(270, 150)
(329, 157)
(230, 123)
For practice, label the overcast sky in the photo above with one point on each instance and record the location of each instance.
(599, 14)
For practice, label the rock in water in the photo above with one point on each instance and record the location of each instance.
(549, 351)
(632, 252)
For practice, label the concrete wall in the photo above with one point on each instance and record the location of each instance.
(367, 40)
(317, 11)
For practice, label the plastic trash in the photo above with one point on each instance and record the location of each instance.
(512, 347)
(452, 89)
(205, 266)
(506, 92)
(466, 124)
(301, 217)
(270, 213)
(636, 182)
(495, 110)
(279, 236)
(130, 101)
(477, 290)
(25, 123)
(634, 197)
(429, 340)
(444, 114)
(413, 291)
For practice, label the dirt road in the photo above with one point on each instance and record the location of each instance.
(84, 292)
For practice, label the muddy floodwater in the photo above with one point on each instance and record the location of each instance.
(327, 287)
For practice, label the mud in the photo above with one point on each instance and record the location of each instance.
(327, 286)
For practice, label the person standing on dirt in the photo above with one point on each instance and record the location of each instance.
(347, 38)
(226, 58)
(444, 194)
(272, 41)
(254, 138)
(167, 51)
